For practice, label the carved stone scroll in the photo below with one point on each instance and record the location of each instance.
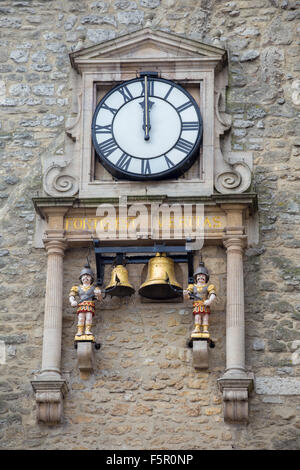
(235, 179)
(232, 169)
(58, 182)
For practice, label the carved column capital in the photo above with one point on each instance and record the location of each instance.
(55, 243)
(235, 243)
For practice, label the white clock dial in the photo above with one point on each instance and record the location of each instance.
(147, 128)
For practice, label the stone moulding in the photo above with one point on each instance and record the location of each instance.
(49, 396)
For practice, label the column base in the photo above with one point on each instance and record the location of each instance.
(236, 386)
(49, 394)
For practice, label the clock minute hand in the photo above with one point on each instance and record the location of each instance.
(146, 105)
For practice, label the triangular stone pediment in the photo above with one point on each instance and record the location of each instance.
(145, 44)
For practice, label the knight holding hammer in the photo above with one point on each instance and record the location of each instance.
(203, 294)
(86, 293)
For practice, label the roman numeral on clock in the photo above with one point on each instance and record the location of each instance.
(190, 126)
(146, 170)
(112, 110)
(168, 93)
(184, 106)
(125, 93)
(103, 129)
(124, 161)
(184, 145)
(150, 88)
(169, 162)
(107, 147)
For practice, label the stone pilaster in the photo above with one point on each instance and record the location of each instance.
(235, 321)
(235, 383)
(49, 387)
(53, 308)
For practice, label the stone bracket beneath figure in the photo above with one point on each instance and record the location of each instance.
(200, 354)
(49, 396)
(85, 357)
(200, 351)
(236, 392)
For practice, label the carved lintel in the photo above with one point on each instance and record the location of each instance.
(49, 396)
(200, 354)
(236, 398)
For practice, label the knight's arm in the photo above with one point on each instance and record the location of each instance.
(212, 294)
(188, 290)
(73, 293)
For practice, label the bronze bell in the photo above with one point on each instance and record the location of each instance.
(119, 285)
(161, 283)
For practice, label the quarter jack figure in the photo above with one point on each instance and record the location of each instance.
(203, 295)
(87, 294)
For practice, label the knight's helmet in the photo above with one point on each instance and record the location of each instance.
(201, 270)
(87, 270)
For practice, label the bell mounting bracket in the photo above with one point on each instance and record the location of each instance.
(137, 255)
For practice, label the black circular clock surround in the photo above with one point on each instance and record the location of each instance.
(147, 129)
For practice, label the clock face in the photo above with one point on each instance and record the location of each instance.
(147, 129)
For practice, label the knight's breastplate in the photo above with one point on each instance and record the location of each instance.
(201, 292)
(86, 294)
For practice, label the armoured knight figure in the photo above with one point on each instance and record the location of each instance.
(87, 294)
(203, 295)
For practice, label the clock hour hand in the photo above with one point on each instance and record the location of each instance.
(146, 105)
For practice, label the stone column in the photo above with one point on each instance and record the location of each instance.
(235, 317)
(235, 383)
(53, 309)
(49, 387)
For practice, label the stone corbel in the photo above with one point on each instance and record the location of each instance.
(233, 170)
(49, 396)
(200, 354)
(85, 358)
(235, 391)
